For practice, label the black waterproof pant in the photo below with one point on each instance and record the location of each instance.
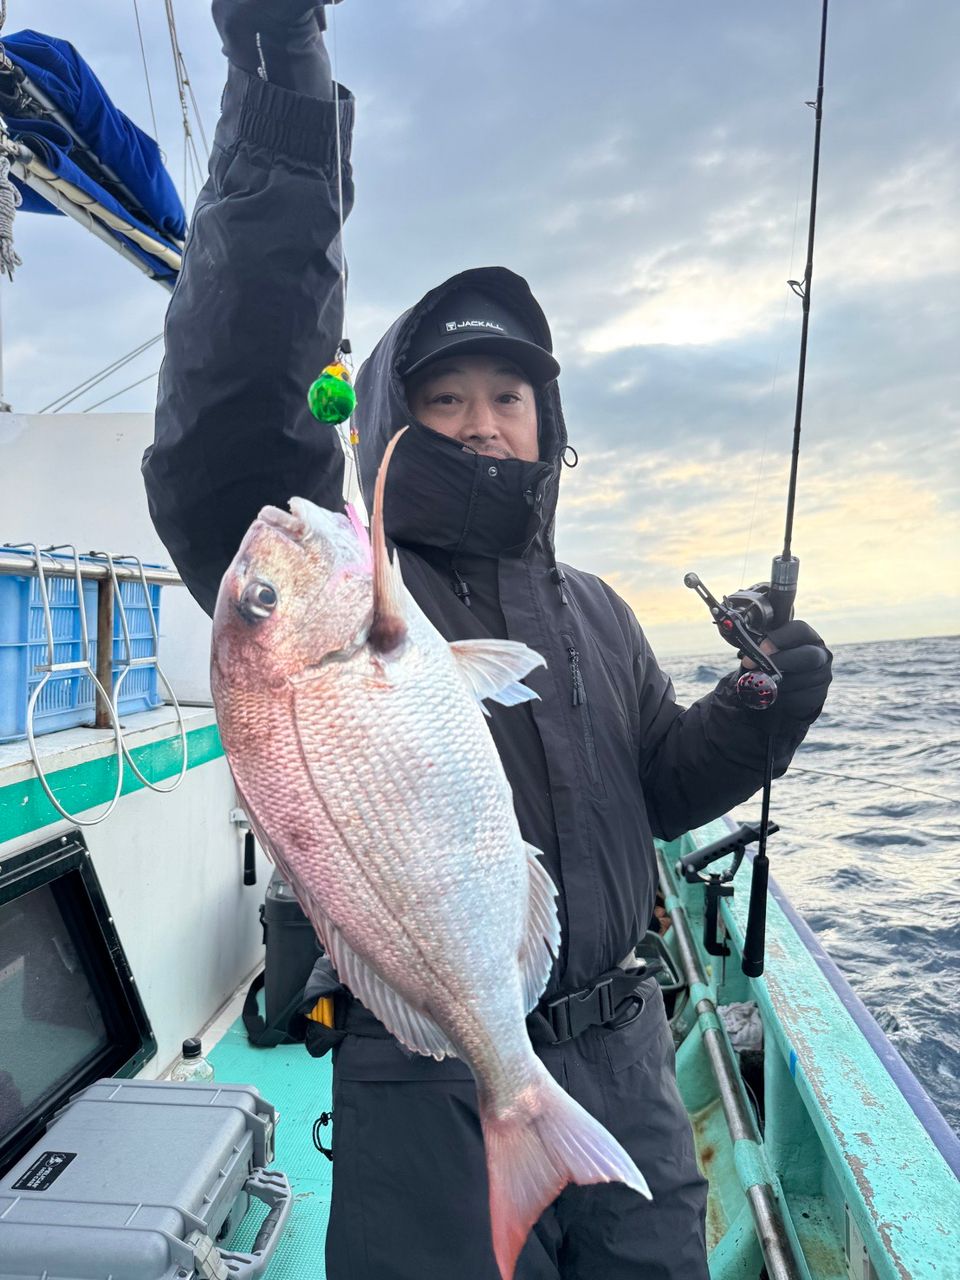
(410, 1186)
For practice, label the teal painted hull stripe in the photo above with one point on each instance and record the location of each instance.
(942, 1136)
(24, 807)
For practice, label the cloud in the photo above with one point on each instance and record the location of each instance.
(648, 171)
(728, 279)
(865, 533)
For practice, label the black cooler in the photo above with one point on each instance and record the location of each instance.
(292, 950)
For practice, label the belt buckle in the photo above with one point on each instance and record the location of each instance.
(589, 1007)
(604, 990)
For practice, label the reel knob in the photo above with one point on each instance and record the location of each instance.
(757, 690)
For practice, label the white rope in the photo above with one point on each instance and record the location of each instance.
(81, 200)
(9, 203)
(10, 198)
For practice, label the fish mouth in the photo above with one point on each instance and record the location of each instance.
(289, 523)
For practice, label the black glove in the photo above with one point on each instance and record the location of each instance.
(278, 39)
(806, 663)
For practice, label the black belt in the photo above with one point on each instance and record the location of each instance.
(596, 1005)
(553, 1021)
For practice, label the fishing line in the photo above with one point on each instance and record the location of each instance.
(146, 73)
(877, 782)
(345, 355)
(781, 331)
(336, 108)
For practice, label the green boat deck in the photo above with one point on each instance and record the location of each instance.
(864, 1190)
(299, 1087)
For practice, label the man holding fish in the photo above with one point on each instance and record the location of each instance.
(460, 759)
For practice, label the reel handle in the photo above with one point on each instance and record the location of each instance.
(756, 689)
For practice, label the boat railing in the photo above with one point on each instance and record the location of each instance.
(108, 570)
(782, 1254)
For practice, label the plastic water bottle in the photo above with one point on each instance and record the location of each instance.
(192, 1066)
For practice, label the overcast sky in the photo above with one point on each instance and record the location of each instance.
(647, 167)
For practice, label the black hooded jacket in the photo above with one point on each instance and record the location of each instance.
(606, 759)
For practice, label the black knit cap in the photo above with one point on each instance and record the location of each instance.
(470, 322)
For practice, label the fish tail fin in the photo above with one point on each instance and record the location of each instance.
(533, 1153)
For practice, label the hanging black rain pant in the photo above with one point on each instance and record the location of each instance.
(409, 1188)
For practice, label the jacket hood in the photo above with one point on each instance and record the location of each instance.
(439, 493)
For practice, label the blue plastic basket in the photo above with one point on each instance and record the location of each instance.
(68, 698)
(139, 692)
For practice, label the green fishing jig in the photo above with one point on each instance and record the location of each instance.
(331, 397)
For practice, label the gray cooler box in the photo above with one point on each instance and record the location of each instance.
(136, 1180)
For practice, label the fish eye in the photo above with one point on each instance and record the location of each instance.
(259, 599)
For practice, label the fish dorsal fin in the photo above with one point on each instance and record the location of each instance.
(415, 1029)
(494, 668)
(541, 942)
(388, 629)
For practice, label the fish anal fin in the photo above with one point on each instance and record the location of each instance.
(494, 668)
(411, 1027)
(541, 942)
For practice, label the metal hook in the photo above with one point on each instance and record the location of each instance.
(50, 666)
(129, 662)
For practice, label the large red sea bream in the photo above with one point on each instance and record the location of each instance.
(357, 740)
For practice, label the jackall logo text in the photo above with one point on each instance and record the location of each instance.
(453, 326)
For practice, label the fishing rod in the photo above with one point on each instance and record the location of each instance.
(744, 618)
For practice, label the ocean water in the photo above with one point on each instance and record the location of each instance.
(869, 846)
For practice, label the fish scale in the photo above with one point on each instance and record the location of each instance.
(374, 789)
(358, 745)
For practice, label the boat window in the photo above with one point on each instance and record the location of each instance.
(69, 1011)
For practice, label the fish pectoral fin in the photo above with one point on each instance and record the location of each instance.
(415, 1029)
(494, 669)
(541, 942)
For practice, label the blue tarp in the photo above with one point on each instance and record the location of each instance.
(58, 71)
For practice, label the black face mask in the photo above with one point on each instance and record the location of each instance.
(440, 494)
